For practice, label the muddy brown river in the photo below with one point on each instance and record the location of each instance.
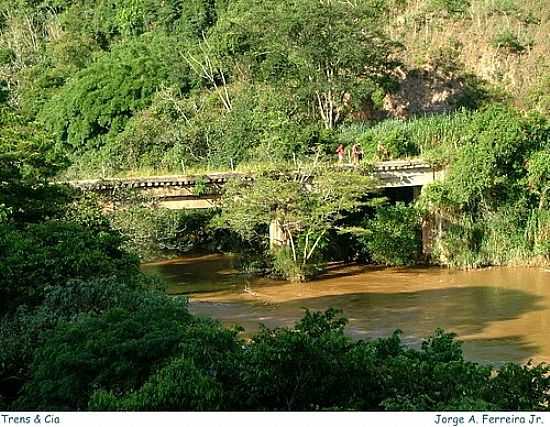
(501, 314)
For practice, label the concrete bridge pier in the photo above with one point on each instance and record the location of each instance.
(427, 227)
(432, 228)
(416, 192)
(277, 236)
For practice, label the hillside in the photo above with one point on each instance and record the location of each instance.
(501, 46)
(124, 85)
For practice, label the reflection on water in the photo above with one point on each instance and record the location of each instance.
(501, 314)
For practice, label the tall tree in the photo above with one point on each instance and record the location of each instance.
(302, 206)
(27, 161)
(332, 53)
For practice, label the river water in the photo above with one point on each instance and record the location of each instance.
(501, 314)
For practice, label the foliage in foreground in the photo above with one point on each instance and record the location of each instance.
(161, 358)
(44, 255)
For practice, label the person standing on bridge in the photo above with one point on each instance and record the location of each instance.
(341, 152)
(356, 154)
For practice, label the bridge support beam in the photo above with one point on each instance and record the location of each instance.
(277, 237)
(432, 229)
(416, 192)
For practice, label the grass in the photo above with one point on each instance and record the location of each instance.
(420, 137)
(195, 170)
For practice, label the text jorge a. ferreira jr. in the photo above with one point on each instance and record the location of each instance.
(488, 419)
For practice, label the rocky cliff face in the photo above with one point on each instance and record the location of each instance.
(451, 44)
(424, 91)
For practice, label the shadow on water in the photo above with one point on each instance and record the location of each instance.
(466, 309)
(198, 274)
(343, 270)
(497, 351)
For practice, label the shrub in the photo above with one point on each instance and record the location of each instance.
(180, 386)
(7, 56)
(109, 22)
(26, 330)
(517, 388)
(539, 234)
(152, 232)
(20, 336)
(43, 255)
(393, 235)
(503, 7)
(116, 351)
(452, 7)
(511, 43)
(460, 243)
(295, 369)
(539, 95)
(284, 266)
(504, 235)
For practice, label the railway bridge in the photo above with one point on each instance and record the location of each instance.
(201, 191)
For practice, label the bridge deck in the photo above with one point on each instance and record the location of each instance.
(399, 173)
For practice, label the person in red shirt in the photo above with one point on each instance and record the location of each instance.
(341, 152)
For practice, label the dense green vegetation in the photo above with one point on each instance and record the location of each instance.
(136, 87)
(144, 86)
(493, 201)
(99, 88)
(84, 329)
(392, 236)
